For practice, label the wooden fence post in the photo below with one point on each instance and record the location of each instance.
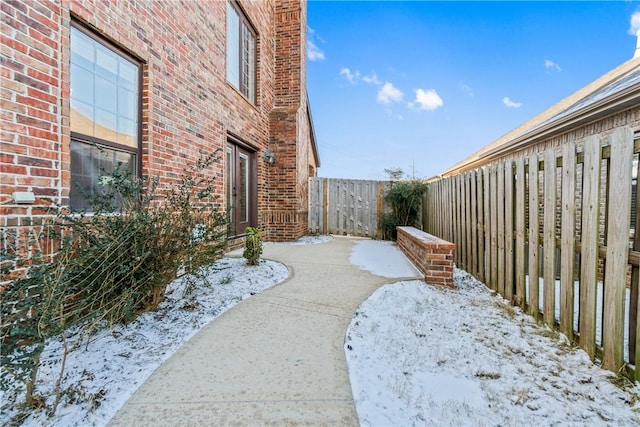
(520, 267)
(534, 245)
(487, 225)
(480, 226)
(619, 201)
(500, 205)
(567, 233)
(567, 237)
(508, 231)
(474, 224)
(549, 237)
(380, 207)
(589, 244)
(493, 178)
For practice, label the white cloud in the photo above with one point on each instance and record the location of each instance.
(467, 89)
(510, 104)
(372, 79)
(426, 100)
(393, 115)
(635, 23)
(388, 94)
(550, 65)
(313, 52)
(352, 77)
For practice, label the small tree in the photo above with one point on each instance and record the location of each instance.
(406, 200)
(253, 245)
(395, 173)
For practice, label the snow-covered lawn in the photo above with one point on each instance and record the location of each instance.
(417, 355)
(425, 355)
(576, 308)
(101, 376)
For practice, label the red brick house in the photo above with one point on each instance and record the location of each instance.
(154, 84)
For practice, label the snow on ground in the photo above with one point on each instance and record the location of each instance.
(306, 240)
(101, 376)
(424, 355)
(576, 308)
(382, 259)
(417, 354)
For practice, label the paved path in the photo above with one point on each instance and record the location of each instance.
(276, 358)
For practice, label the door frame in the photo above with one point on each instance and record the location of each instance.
(235, 151)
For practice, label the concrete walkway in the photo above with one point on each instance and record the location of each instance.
(277, 358)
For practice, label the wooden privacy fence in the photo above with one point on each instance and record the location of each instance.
(347, 206)
(551, 231)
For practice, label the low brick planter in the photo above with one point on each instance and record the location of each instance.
(430, 254)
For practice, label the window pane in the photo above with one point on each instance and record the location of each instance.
(81, 117)
(105, 125)
(127, 132)
(127, 103)
(82, 49)
(230, 183)
(251, 67)
(81, 84)
(128, 77)
(104, 92)
(243, 190)
(88, 163)
(246, 48)
(233, 46)
(106, 63)
(106, 95)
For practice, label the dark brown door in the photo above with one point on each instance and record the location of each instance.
(241, 189)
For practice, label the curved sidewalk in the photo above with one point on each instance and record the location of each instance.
(276, 358)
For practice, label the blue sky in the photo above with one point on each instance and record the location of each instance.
(422, 85)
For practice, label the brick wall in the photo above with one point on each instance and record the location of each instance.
(30, 155)
(187, 104)
(431, 255)
(286, 217)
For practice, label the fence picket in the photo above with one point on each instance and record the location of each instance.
(508, 231)
(467, 193)
(589, 244)
(474, 224)
(619, 217)
(458, 241)
(520, 266)
(636, 360)
(463, 223)
(487, 224)
(501, 229)
(494, 227)
(567, 233)
(549, 237)
(534, 245)
(480, 226)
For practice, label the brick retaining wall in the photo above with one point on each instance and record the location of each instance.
(431, 255)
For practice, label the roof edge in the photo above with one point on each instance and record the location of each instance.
(314, 143)
(532, 128)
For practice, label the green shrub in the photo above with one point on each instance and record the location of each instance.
(406, 200)
(253, 245)
(112, 264)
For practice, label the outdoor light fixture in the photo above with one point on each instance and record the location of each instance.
(269, 157)
(23, 197)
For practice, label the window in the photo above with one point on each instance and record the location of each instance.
(105, 113)
(241, 188)
(241, 53)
